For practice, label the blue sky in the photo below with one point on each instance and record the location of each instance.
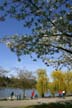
(8, 59)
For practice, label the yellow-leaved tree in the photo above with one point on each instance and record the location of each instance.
(51, 86)
(59, 80)
(68, 81)
(42, 81)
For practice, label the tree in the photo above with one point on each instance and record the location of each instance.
(52, 88)
(26, 79)
(68, 81)
(50, 21)
(3, 81)
(59, 80)
(42, 82)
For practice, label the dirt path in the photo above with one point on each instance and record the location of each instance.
(17, 103)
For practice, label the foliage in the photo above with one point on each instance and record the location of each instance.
(51, 87)
(52, 105)
(42, 82)
(50, 22)
(68, 81)
(27, 79)
(62, 81)
(58, 78)
(9, 82)
(2, 82)
(24, 80)
(3, 79)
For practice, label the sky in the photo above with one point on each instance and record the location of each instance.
(8, 59)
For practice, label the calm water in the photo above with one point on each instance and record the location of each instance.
(6, 92)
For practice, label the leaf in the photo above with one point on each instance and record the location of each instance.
(36, 1)
(19, 59)
(34, 60)
(2, 18)
(1, 8)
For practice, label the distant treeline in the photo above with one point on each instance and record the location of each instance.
(16, 82)
(27, 80)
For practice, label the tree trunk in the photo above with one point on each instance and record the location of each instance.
(42, 95)
(24, 94)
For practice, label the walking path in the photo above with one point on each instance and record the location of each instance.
(17, 103)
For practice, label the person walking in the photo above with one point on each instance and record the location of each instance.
(32, 95)
(60, 93)
(63, 93)
(12, 94)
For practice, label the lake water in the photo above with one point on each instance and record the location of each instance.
(6, 92)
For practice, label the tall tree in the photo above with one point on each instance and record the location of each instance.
(26, 79)
(52, 88)
(51, 23)
(58, 80)
(68, 81)
(42, 82)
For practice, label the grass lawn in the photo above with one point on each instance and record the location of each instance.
(52, 105)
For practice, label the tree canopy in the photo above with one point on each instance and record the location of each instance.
(51, 25)
(62, 80)
(59, 81)
(42, 81)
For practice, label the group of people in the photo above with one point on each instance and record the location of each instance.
(62, 93)
(32, 95)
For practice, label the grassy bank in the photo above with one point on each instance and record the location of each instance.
(39, 103)
(52, 105)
